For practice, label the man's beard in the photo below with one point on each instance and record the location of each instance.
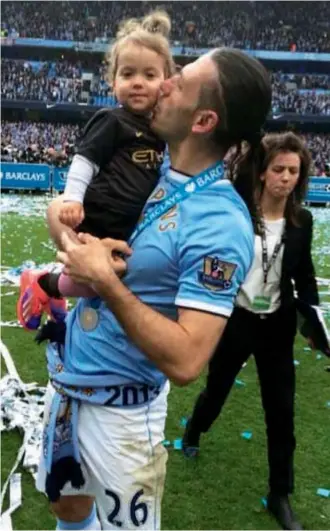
(171, 131)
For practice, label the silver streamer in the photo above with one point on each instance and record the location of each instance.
(22, 408)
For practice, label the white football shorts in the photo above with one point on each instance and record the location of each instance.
(123, 461)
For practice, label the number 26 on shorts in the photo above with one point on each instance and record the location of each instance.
(138, 511)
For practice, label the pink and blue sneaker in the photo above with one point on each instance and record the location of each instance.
(34, 301)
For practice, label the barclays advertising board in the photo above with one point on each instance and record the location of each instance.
(42, 177)
(59, 178)
(318, 190)
(25, 176)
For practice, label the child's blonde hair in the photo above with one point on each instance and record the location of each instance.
(152, 31)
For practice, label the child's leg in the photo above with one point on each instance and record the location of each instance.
(42, 291)
(60, 285)
(68, 288)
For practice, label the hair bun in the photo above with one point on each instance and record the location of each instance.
(157, 22)
(126, 27)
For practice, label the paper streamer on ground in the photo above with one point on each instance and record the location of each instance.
(8, 293)
(10, 324)
(11, 276)
(22, 408)
(15, 501)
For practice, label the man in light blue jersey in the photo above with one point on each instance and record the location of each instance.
(162, 321)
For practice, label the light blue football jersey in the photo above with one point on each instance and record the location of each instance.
(166, 163)
(195, 256)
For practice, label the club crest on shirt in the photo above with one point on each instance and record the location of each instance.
(216, 274)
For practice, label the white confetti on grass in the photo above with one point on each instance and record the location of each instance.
(321, 243)
(25, 205)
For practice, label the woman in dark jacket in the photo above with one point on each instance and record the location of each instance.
(264, 320)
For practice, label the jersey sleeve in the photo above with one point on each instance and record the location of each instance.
(80, 174)
(215, 255)
(98, 142)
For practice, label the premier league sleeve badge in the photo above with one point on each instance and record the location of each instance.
(217, 274)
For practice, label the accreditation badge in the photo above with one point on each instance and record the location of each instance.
(261, 303)
(89, 319)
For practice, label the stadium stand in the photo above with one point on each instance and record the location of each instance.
(281, 26)
(62, 76)
(34, 142)
(62, 82)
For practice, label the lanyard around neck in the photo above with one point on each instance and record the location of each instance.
(267, 264)
(196, 184)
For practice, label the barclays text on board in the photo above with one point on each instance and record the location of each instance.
(15, 176)
(25, 176)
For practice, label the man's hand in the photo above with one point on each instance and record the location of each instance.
(94, 262)
(114, 247)
(71, 214)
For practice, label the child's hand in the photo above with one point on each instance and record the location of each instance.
(72, 214)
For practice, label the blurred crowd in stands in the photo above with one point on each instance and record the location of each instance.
(49, 82)
(303, 81)
(308, 103)
(296, 26)
(319, 145)
(289, 26)
(301, 94)
(54, 143)
(38, 142)
(62, 82)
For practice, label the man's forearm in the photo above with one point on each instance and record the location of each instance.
(179, 349)
(164, 341)
(56, 228)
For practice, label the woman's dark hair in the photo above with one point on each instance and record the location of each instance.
(242, 100)
(273, 145)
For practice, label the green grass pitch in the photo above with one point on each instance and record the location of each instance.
(223, 489)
